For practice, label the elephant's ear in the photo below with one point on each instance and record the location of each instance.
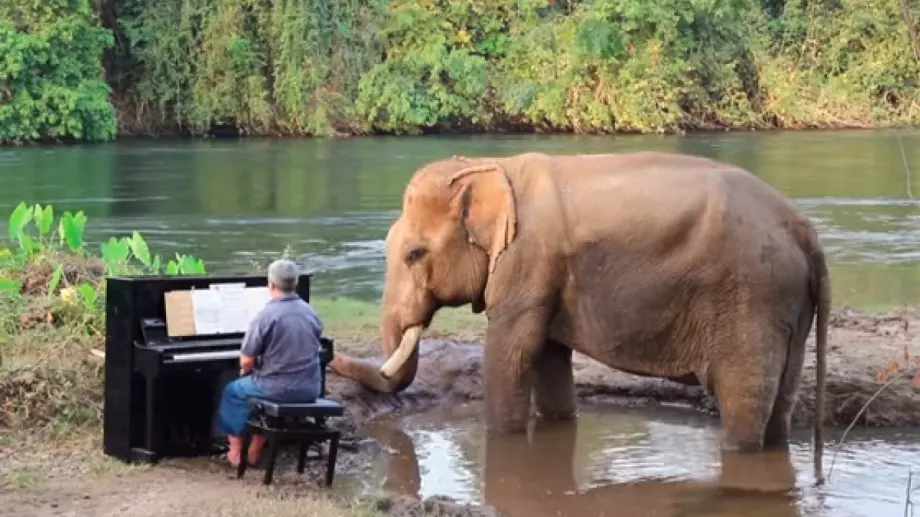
(486, 207)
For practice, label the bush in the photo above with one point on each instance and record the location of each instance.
(51, 80)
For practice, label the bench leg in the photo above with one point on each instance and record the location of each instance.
(272, 456)
(244, 453)
(330, 462)
(302, 455)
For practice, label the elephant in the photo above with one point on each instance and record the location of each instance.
(657, 264)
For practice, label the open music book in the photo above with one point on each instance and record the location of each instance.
(221, 309)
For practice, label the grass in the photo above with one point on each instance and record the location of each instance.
(356, 321)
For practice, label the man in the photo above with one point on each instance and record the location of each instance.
(281, 350)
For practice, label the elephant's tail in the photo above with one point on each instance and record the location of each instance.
(821, 291)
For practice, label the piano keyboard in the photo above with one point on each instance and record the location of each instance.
(204, 356)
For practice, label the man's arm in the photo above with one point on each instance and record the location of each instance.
(253, 345)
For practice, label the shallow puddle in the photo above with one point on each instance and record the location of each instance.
(636, 462)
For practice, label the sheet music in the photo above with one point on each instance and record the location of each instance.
(234, 314)
(256, 298)
(206, 306)
(220, 309)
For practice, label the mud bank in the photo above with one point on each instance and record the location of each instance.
(862, 348)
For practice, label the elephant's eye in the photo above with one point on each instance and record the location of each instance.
(415, 254)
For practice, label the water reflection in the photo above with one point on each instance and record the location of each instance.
(637, 462)
(537, 475)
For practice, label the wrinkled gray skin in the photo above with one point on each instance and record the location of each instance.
(656, 264)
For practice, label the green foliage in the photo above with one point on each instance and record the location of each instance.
(70, 229)
(329, 67)
(436, 70)
(51, 84)
(72, 272)
(117, 254)
(288, 66)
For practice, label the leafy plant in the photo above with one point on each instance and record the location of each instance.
(117, 253)
(31, 241)
(32, 227)
(185, 265)
(71, 228)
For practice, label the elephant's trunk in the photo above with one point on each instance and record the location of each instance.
(401, 348)
(398, 372)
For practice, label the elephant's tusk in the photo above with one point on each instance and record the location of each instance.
(401, 355)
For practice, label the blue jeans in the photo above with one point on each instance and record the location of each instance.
(233, 411)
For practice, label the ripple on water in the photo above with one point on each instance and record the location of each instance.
(633, 461)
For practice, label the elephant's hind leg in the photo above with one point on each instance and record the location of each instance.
(746, 380)
(777, 433)
(554, 385)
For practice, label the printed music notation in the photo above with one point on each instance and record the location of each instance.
(221, 309)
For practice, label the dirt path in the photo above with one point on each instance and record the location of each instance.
(860, 347)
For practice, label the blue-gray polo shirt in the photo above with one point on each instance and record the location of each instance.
(284, 336)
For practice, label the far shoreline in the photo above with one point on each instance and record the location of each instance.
(180, 137)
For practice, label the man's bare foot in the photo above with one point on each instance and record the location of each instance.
(233, 459)
(233, 455)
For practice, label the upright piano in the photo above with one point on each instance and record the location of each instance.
(161, 392)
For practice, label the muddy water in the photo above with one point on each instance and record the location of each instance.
(631, 461)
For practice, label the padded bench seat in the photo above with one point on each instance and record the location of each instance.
(282, 421)
(321, 407)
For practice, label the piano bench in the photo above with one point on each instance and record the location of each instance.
(320, 408)
(301, 422)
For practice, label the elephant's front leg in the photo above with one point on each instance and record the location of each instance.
(554, 385)
(513, 342)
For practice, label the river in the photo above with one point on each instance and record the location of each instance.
(235, 203)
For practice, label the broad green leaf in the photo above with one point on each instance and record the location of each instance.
(114, 253)
(27, 244)
(139, 249)
(71, 230)
(44, 218)
(172, 268)
(87, 294)
(19, 218)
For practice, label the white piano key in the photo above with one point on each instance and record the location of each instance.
(204, 356)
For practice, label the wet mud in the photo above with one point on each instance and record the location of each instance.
(867, 353)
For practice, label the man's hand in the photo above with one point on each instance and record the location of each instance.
(247, 364)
